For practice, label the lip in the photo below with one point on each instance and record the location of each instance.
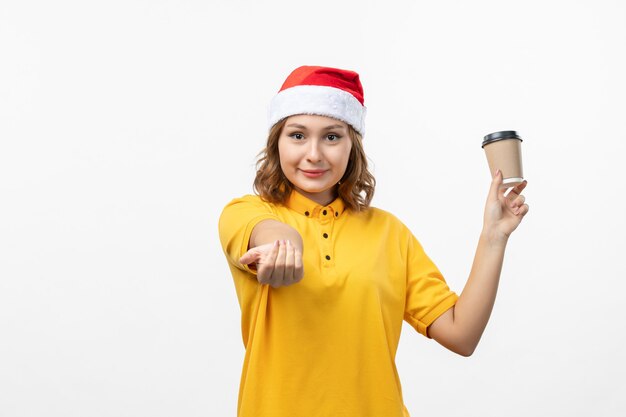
(313, 173)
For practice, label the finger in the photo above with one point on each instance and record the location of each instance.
(298, 269)
(265, 266)
(289, 263)
(249, 257)
(519, 188)
(517, 202)
(279, 265)
(522, 211)
(496, 182)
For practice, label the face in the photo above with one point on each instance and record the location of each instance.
(314, 153)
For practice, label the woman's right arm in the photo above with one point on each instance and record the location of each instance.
(276, 250)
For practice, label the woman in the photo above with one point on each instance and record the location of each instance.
(324, 281)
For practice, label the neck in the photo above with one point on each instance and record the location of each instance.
(323, 198)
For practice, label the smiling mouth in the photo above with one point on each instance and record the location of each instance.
(313, 173)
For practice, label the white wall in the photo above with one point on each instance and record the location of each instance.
(126, 126)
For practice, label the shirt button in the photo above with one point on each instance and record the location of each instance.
(324, 212)
(327, 258)
(306, 213)
(325, 235)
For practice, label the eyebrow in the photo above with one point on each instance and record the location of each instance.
(304, 127)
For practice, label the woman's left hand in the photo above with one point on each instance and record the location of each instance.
(504, 214)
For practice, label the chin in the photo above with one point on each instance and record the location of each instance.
(312, 189)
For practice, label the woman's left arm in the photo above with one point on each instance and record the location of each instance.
(460, 328)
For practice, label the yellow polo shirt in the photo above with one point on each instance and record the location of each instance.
(326, 346)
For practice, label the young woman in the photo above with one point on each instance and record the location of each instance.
(324, 281)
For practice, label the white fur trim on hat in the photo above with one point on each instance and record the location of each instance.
(320, 100)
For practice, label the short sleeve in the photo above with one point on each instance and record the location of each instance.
(236, 223)
(427, 293)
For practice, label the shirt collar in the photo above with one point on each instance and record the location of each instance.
(310, 208)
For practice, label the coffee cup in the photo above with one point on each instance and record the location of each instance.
(504, 152)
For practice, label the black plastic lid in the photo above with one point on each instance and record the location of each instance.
(496, 136)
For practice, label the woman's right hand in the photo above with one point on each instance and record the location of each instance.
(277, 264)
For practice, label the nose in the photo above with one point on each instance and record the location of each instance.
(313, 153)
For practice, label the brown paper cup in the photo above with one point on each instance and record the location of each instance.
(504, 151)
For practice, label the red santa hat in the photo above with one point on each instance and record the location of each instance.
(324, 91)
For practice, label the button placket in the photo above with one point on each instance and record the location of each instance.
(326, 217)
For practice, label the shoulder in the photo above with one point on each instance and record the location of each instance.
(375, 216)
(249, 201)
(247, 206)
(250, 198)
(389, 225)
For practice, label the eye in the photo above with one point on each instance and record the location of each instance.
(332, 137)
(297, 136)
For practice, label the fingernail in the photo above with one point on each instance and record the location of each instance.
(497, 171)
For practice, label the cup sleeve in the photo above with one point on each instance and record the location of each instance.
(427, 293)
(236, 223)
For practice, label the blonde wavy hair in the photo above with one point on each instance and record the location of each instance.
(356, 187)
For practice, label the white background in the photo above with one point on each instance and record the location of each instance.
(126, 126)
